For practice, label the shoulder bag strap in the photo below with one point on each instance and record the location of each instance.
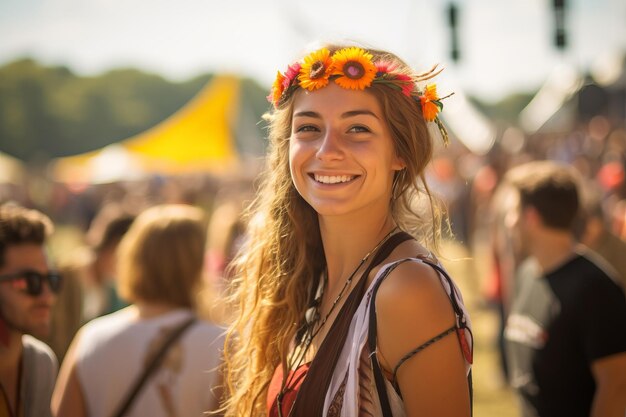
(154, 364)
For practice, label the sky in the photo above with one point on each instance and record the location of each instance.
(506, 46)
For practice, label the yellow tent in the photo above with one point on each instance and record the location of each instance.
(197, 138)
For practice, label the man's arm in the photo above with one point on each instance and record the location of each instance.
(610, 376)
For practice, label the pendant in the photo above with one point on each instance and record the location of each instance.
(311, 315)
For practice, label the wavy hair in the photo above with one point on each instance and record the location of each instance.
(283, 257)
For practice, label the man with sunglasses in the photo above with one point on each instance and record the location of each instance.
(28, 367)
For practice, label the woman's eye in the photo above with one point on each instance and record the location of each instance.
(306, 128)
(359, 129)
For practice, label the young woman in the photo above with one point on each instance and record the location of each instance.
(342, 312)
(160, 269)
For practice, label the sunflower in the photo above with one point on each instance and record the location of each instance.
(315, 70)
(277, 89)
(354, 67)
(431, 105)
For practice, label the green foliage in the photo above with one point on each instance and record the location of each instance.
(251, 129)
(49, 111)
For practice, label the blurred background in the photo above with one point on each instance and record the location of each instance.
(109, 102)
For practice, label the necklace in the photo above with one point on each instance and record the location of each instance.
(346, 285)
(312, 316)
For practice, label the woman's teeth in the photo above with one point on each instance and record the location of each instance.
(332, 179)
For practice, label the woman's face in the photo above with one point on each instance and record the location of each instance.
(341, 154)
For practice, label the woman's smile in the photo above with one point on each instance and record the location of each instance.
(333, 178)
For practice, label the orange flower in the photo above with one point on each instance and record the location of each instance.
(277, 89)
(354, 67)
(431, 105)
(315, 70)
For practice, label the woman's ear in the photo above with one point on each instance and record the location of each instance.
(398, 163)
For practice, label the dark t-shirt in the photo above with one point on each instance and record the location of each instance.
(559, 324)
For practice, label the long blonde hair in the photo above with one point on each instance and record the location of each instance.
(283, 257)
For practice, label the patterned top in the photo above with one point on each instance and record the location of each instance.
(352, 390)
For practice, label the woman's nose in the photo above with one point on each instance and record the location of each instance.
(330, 146)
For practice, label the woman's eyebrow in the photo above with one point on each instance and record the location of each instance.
(353, 113)
(348, 114)
(307, 114)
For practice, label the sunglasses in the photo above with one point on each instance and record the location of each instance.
(31, 282)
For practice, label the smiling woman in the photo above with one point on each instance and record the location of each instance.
(342, 311)
(341, 153)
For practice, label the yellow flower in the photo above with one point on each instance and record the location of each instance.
(354, 67)
(431, 105)
(315, 70)
(277, 89)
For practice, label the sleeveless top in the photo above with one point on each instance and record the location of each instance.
(112, 352)
(289, 396)
(352, 391)
(353, 386)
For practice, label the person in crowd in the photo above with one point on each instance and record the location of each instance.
(160, 270)
(342, 311)
(89, 273)
(224, 236)
(98, 271)
(505, 258)
(618, 219)
(597, 235)
(28, 367)
(566, 333)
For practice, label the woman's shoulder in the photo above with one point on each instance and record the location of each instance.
(408, 249)
(406, 269)
(207, 331)
(110, 322)
(97, 333)
(412, 307)
(413, 298)
(411, 284)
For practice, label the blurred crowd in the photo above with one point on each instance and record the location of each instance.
(92, 222)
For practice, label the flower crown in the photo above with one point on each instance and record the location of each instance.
(352, 68)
